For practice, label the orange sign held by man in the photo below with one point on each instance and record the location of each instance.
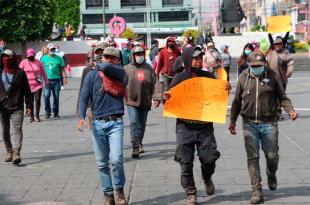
(199, 98)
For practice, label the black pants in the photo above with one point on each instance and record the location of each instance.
(227, 69)
(202, 137)
(36, 98)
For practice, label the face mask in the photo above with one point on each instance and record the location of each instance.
(57, 50)
(98, 57)
(51, 53)
(31, 58)
(257, 71)
(7, 64)
(139, 59)
(247, 52)
(196, 70)
(171, 45)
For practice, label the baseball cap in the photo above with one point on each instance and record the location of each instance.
(278, 41)
(138, 49)
(257, 58)
(111, 51)
(98, 47)
(30, 52)
(8, 52)
(51, 46)
(210, 44)
(197, 52)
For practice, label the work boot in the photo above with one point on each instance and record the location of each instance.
(141, 148)
(9, 156)
(272, 181)
(257, 197)
(135, 152)
(16, 157)
(209, 186)
(108, 200)
(191, 199)
(120, 197)
(47, 115)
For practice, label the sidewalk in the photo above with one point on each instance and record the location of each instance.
(59, 167)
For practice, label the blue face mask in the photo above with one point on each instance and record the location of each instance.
(57, 50)
(257, 71)
(51, 53)
(247, 52)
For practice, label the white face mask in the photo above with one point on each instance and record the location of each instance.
(139, 59)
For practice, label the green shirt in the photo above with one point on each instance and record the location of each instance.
(53, 66)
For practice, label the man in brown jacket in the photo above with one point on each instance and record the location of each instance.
(258, 94)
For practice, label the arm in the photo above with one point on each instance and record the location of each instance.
(270, 40)
(43, 72)
(160, 63)
(235, 109)
(116, 72)
(85, 71)
(290, 66)
(27, 91)
(285, 102)
(84, 95)
(286, 38)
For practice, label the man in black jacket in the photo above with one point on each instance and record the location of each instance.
(14, 91)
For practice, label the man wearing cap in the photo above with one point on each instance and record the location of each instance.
(108, 130)
(192, 133)
(226, 58)
(54, 67)
(36, 75)
(14, 93)
(212, 58)
(140, 80)
(258, 94)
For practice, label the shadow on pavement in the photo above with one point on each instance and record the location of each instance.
(4, 199)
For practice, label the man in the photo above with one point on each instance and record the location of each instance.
(167, 57)
(2, 45)
(62, 54)
(258, 94)
(140, 82)
(54, 67)
(212, 59)
(108, 130)
(14, 92)
(154, 50)
(191, 134)
(69, 31)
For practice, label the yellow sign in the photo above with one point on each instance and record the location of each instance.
(202, 99)
(279, 24)
(221, 74)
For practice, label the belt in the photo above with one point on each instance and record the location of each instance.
(109, 118)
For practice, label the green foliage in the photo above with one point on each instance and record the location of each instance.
(301, 46)
(26, 20)
(258, 28)
(195, 34)
(128, 33)
(68, 11)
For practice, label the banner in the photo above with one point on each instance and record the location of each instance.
(202, 99)
(279, 24)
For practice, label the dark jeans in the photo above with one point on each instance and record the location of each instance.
(201, 137)
(266, 135)
(52, 88)
(137, 118)
(36, 98)
(17, 118)
(166, 82)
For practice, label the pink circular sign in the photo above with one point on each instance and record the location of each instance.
(117, 25)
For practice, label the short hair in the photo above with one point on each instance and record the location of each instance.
(154, 41)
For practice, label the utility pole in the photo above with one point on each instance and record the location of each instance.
(215, 21)
(201, 25)
(148, 24)
(265, 13)
(103, 18)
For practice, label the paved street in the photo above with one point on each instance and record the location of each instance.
(59, 166)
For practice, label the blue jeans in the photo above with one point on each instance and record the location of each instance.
(137, 118)
(52, 88)
(108, 146)
(265, 135)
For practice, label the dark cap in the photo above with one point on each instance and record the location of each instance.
(138, 49)
(197, 52)
(98, 47)
(111, 51)
(257, 58)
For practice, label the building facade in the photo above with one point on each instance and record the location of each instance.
(167, 17)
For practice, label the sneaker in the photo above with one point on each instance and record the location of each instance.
(209, 187)
(56, 115)
(135, 152)
(16, 157)
(141, 148)
(191, 199)
(257, 197)
(9, 156)
(37, 119)
(47, 115)
(272, 181)
(108, 200)
(62, 87)
(120, 197)
(31, 119)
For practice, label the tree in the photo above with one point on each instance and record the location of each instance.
(129, 33)
(68, 11)
(26, 20)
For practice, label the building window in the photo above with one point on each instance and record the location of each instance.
(96, 3)
(172, 3)
(132, 3)
(177, 16)
(132, 17)
(96, 18)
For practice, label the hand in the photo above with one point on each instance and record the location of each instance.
(65, 81)
(156, 103)
(228, 86)
(28, 111)
(166, 95)
(288, 75)
(293, 115)
(81, 124)
(232, 128)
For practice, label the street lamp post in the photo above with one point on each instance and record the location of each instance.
(103, 18)
(148, 23)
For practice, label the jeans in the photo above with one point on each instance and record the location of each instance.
(17, 118)
(137, 118)
(266, 135)
(108, 146)
(189, 138)
(52, 88)
(36, 97)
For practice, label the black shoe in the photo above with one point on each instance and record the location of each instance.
(47, 115)
(135, 152)
(209, 187)
(272, 181)
(257, 197)
(56, 115)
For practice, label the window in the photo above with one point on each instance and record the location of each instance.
(96, 18)
(96, 3)
(173, 16)
(132, 17)
(172, 3)
(132, 3)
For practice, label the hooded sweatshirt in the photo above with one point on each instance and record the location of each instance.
(167, 58)
(140, 81)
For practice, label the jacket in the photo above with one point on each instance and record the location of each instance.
(140, 83)
(257, 98)
(18, 93)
